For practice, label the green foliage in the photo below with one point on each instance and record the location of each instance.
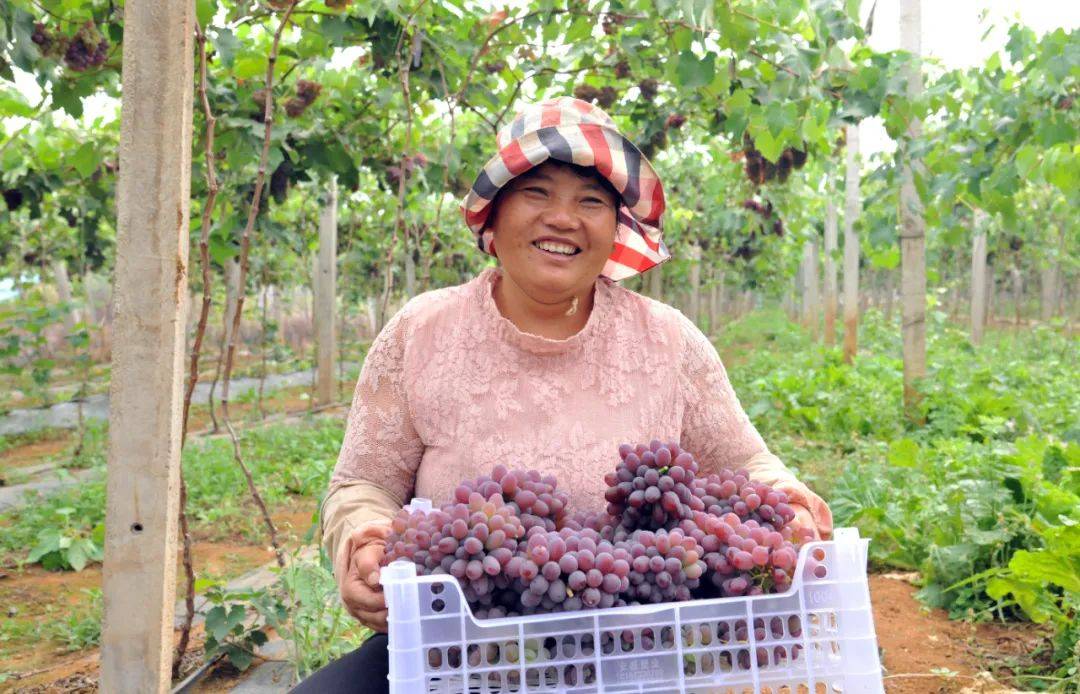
(983, 500)
(93, 449)
(302, 606)
(61, 530)
(236, 624)
(65, 545)
(23, 345)
(1044, 583)
(318, 627)
(286, 462)
(80, 628)
(774, 73)
(72, 627)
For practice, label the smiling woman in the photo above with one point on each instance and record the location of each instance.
(543, 363)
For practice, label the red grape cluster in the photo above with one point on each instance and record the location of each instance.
(740, 527)
(733, 492)
(750, 547)
(650, 487)
(745, 557)
(569, 570)
(533, 497)
(472, 541)
(664, 567)
(667, 535)
(86, 49)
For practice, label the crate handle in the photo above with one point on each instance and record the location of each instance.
(405, 645)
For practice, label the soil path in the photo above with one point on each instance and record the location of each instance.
(924, 652)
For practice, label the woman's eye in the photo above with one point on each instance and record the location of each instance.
(535, 189)
(593, 201)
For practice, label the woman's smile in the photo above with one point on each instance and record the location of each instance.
(556, 251)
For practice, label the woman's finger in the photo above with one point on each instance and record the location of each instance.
(359, 595)
(367, 614)
(366, 562)
(368, 534)
(804, 519)
(372, 620)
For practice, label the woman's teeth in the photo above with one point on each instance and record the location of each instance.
(554, 247)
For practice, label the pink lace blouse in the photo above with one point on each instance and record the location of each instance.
(450, 388)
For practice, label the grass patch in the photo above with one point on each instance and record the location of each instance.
(288, 462)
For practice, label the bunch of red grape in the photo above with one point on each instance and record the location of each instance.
(665, 566)
(533, 497)
(86, 49)
(668, 534)
(745, 557)
(471, 541)
(750, 547)
(741, 528)
(650, 488)
(569, 570)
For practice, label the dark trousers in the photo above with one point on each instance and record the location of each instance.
(361, 672)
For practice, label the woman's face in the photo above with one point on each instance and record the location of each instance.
(553, 231)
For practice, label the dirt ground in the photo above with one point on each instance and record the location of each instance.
(28, 454)
(924, 652)
(35, 594)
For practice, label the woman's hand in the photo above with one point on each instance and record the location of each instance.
(359, 579)
(805, 520)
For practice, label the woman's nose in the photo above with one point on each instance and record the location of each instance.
(561, 214)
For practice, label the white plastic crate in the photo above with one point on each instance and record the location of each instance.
(436, 645)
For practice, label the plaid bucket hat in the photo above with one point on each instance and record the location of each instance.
(576, 132)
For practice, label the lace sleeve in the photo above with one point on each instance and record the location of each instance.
(381, 444)
(714, 426)
(720, 435)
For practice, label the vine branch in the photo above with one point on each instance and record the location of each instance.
(196, 349)
(245, 247)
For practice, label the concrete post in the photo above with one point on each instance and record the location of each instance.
(852, 210)
(325, 291)
(831, 300)
(978, 279)
(145, 399)
(912, 223)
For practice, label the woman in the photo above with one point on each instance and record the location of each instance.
(541, 363)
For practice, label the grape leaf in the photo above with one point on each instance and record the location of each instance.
(770, 147)
(85, 159)
(693, 72)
